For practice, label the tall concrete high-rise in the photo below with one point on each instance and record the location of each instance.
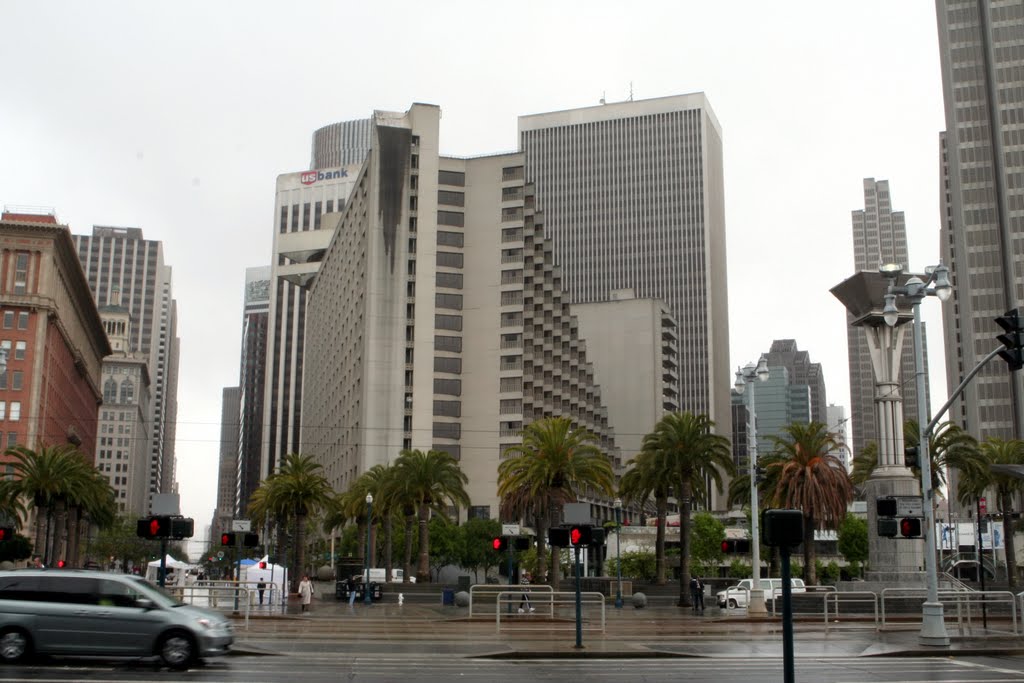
(632, 196)
(300, 241)
(784, 353)
(879, 237)
(437, 318)
(980, 48)
(121, 265)
(252, 385)
(837, 421)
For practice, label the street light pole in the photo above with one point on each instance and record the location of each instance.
(367, 599)
(618, 555)
(933, 624)
(744, 376)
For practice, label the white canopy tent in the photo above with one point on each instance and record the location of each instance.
(274, 576)
(179, 568)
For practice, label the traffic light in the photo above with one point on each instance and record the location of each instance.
(910, 527)
(731, 546)
(581, 534)
(263, 564)
(227, 538)
(522, 543)
(760, 474)
(182, 527)
(61, 564)
(885, 507)
(558, 537)
(1012, 338)
(910, 458)
(156, 527)
(597, 535)
(782, 528)
(500, 544)
(250, 540)
(6, 533)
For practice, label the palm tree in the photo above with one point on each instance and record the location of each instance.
(949, 447)
(649, 477)
(49, 477)
(810, 479)
(554, 464)
(864, 463)
(432, 480)
(295, 491)
(976, 480)
(696, 458)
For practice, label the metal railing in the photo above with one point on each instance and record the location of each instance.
(558, 608)
(483, 595)
(837, 599)
(962, 607)
(773, 596)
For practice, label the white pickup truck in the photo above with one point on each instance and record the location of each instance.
(737, 596)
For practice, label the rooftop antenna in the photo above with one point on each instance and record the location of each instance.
(602, 97)
(631, 91)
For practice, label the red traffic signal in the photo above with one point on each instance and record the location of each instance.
(227, 538)
(500, 544)
(581, 534)
(263, 565)
(910, 527)
(732, 546)
(61, 564)
(6, 533)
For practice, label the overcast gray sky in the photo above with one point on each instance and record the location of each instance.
(177, 118)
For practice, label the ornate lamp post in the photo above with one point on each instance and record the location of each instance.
(367, 599)
(744, 376)
(618, 555)
(933, 625)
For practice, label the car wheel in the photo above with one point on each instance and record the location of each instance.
(732, 603)
(15, 646)
(177, 650)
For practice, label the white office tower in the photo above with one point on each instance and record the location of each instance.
(300, 240)
(632, 197)
(837, 422)
(437, 318)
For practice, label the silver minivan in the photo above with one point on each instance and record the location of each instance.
(84, 613)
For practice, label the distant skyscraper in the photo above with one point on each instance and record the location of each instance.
(252, 384)
(879, 237)
(341, 144)
(632, 197)
(837, 420)
(784, 353)
(119, 263)
(980, 45)
(227, 469)
(303, 199)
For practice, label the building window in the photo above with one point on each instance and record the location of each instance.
(456, 178)
(3, 410)
(21, 273)
(127, 391)
(447, 238)
(15, 411)
(448, 301)
(448, 387)
(451, 198)
(446, 343)
(453, 218)
(448, 364)
(8, 320)
(449, 280)
(448, 408)
(12, 439)
(110, 390)
(448, 322)
(23, 320)
(449, 259)
(479, 512)
(19, 350)
(447, 430)
(16, 379)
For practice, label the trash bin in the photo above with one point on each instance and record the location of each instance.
(447, 596)
(465, 583)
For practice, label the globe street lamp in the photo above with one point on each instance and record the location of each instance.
(367, 599)
(618, 555)
(744, 376)
(933, 625)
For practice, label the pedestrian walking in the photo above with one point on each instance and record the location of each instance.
(305, 593)
(351, 585)
(524, 580)
(261, 589)
(697, 594)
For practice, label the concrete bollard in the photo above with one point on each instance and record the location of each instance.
(639, 600)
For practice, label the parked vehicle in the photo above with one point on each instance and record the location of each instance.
(737, 596)
(83, 613)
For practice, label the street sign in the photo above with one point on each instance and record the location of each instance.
(509, 529)
(909, 506)
(241, 525)
(982, 506)
(220, 554)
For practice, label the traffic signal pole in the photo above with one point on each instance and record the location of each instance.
(579, 603)
(981, 565)
(509, 549)
(163, 562)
